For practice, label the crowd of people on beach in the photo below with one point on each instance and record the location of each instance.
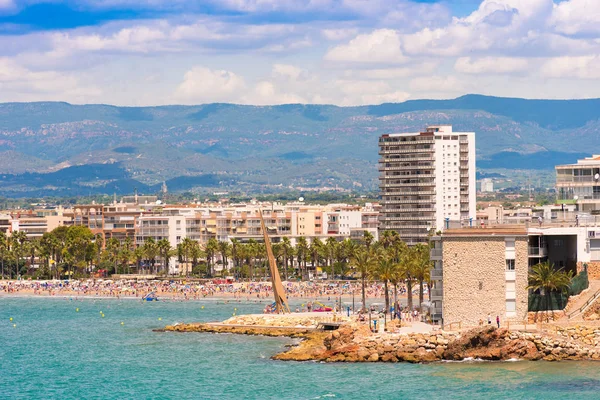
(182, 289)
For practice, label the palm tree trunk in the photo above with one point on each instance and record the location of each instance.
(409, 285)
(364, 300)
(387, 297)
(420, 293)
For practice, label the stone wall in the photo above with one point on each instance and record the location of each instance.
(593, 268)
(475, 278)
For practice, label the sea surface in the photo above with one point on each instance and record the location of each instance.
(65, 349)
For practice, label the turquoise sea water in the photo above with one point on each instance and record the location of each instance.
(56, 352)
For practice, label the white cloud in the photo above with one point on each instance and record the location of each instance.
(577, 17)
(5, 4)
(18, 83)
(380, 46)
(201, 84)
(585, 67)
(491, 65)
(288, 71)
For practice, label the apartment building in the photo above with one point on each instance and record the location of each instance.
(33, 223)
(427, 181)
(480, 272)
(580, 184)
(484, 270)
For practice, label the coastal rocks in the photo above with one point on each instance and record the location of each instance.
(354, 342)
(488, 343)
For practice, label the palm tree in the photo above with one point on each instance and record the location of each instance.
(330, 245)
(164, 250)
(235, 256)
(288, 252)
(363, 262)
(406, 269)
(210, 249)
(389, 238)
(138, 255)
(316, 249)
(421, 267)
(17, 239)
(150, 250)
(301, 254)
(545, 278)
(196, 253)
(112, 247)
(384, 270)
(3, 251)
(224, 250)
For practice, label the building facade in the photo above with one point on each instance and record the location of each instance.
(580, 184)
(427, 181)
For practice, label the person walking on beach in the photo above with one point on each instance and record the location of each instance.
(489, 319)
(498, 320)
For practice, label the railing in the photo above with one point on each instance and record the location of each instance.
(537, 251)
(453, 325)
(436, 252)
(584, 307)
(437, 292)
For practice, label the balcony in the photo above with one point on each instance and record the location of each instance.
(437, 274)
(435, 252)
(537, 251)
(437, 293)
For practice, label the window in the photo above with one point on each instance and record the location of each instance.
(510, 265)
(511, 306)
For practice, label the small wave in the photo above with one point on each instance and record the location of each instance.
(327, 395)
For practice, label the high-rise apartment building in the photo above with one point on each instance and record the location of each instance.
(427, 181)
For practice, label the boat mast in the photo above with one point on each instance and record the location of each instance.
(281, 302)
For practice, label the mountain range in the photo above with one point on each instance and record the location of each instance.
(56, 148)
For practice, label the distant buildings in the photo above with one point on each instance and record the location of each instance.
(487, 185)
(142, 217)
(427, 181)
(580, 184)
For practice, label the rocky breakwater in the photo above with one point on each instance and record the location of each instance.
(358, 344)
(292, 325)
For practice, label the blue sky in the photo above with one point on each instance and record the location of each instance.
(346, 52)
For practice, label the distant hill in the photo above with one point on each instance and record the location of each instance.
(54, 147)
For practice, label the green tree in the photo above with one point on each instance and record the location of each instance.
(288, 254)
(150, 250)
(210, 249)
(363, 261)
(548, 280)
(383, 270)
(77, 251)
(164, 250)
(3, 252)
(224, 250)
(17, 241)
(302, 255)
(421, 267)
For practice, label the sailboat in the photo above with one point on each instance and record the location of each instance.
(281, 303)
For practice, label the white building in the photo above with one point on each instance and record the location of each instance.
(427, 181)
(487, 185)
(580, 184)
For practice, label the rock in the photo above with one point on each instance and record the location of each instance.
(373, 357)
(389, 357)
(521, 349)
